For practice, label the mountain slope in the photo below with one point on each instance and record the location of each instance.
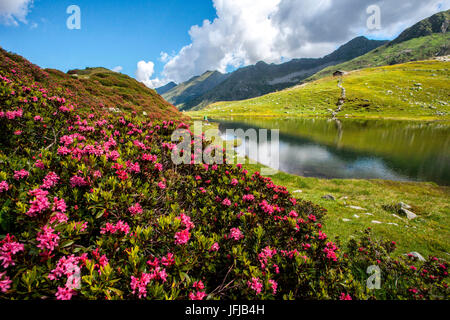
(186, 92)
(262, 78)
(166, 88)
(415, 90)
(438, 23)
(422, 41)
(94, 87)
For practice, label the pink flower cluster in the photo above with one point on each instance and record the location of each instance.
(186, 221)
(4, 186)
(118, 227)
(182, 237)
(11, 115)
(48, 240)
(215, 247)
(50, 180)
(161, 185)
(135, 209)
(274, 286)
(266, 253)
(140, 284)
(5, 283)
(8, 248)
(77, 181)
(248, 198)
(330, 250)
(21, 174)
(236, 234)
(226, 202)
(39, 204)
(255, 284)
(345, 296)
(199, 295)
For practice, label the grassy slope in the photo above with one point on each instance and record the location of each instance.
(412, 50)
(97, 88)
(114, 90)
(382, 92)
(428, 234)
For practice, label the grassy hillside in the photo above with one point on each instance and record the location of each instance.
(415, 90)
(412, 50)
(92, 88)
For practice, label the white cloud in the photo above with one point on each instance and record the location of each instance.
(14, 11)
(248, 31)
(117, 69)
(144, 73)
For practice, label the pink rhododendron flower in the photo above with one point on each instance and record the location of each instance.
(4, 186)
(330, 251)
(182, 237)
(5, 282)
(64, 293)
(236, 234)
(214, 247)
(168, 260)
(226, 202)
(274, 286)
(63, 151)
(39, 204)
(139, 285)
(50, 180)
(8, 248)
(118, 227)
(248, 198)
(39, 164)
(255, 284)
(47, 239)
(198, 285)
(234, 182)
(345, 296)
(199, 295)
(186, 221)
(135, 209)
(58, 217)
(161, 185)
(77, 181)
(21, 174)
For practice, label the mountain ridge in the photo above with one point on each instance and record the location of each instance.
(261, 78)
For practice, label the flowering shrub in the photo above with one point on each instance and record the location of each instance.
(92, 207)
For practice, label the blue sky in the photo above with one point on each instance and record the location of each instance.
(113, 33)
(196, 35)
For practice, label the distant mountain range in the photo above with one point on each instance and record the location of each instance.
(259, 79)
(167, 87)
(425, 39)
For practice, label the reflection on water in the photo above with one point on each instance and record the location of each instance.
(361, 149)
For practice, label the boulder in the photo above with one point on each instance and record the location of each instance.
(356, 208)
(409, 214)
(417, 255)
(329, 197)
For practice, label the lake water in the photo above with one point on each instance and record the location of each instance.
(360, 149)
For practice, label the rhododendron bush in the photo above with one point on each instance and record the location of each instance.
(92, 207)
